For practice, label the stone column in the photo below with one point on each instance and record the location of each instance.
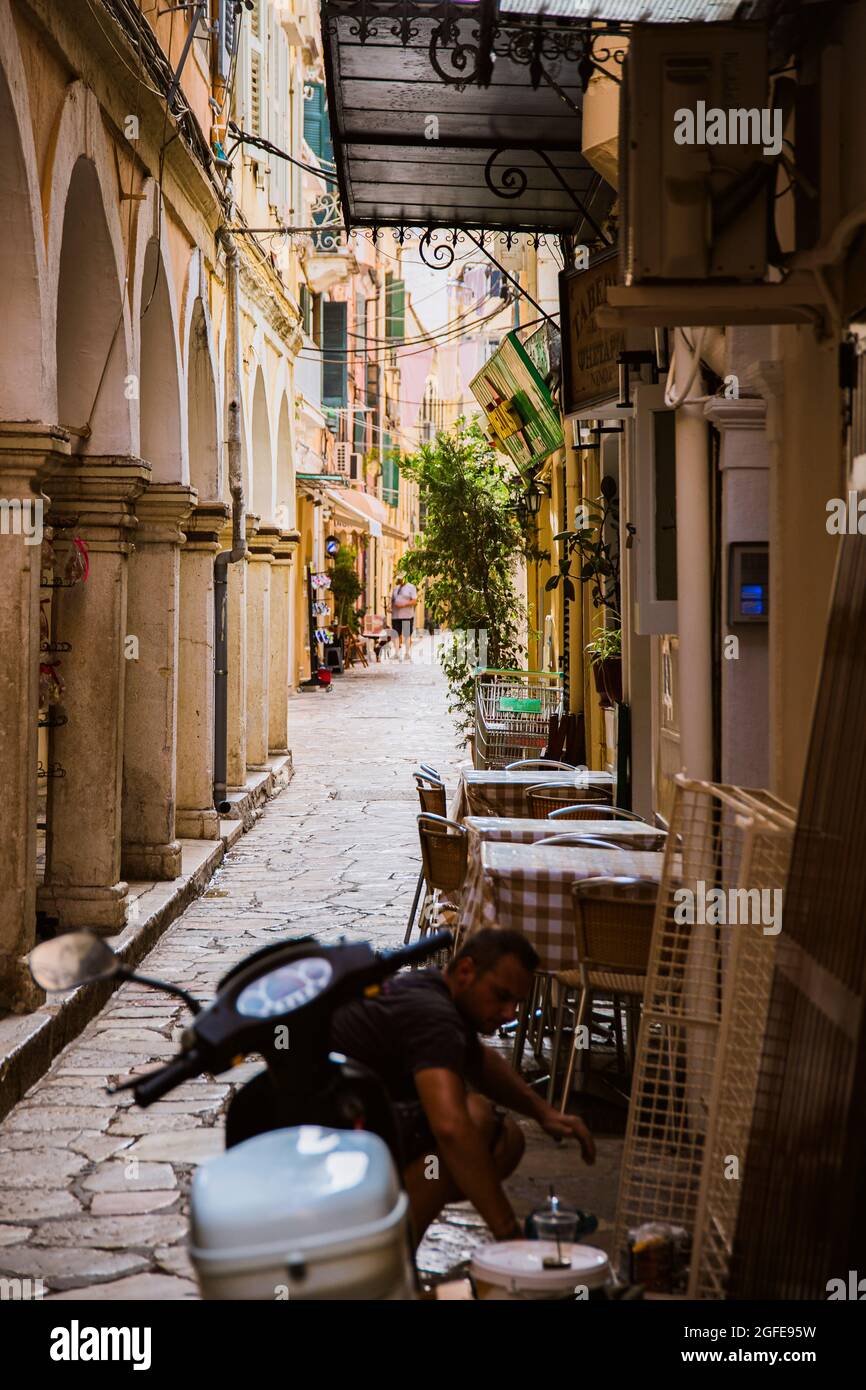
(196, 817)
(281, 674)
(236, 759)
(27, 453)
(82, 877)
(150, 849)
(261, 559)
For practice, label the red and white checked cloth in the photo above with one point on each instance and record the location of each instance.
(492, 793)
(519, 830)
(528, 887)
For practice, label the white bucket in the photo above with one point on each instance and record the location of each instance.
(515, 1269)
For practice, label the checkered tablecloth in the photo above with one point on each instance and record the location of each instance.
(528, 887)
(521, 830)
(484, 793)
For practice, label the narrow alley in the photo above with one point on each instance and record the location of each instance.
(92, 1189)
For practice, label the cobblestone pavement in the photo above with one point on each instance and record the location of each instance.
(93, 1191)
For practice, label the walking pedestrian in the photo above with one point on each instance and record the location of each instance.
(404, 598)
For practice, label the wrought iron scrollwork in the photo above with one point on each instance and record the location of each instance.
(513, 180)
(435, 255)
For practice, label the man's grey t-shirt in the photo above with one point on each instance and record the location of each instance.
(399, 607)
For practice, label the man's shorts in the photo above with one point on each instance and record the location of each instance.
(416, 1136)
(403, 627)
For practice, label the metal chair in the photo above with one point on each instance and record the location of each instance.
(444, 856)
(580, 812)
(541, 763)
(574, 838)
(550, 796)
(613, 929)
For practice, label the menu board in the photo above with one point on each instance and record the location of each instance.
(590, 373)
(523, 418)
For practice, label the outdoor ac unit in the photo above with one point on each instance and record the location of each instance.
(342, 457)
(693, 210)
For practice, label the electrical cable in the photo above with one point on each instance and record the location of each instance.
(259, 142)
(446, 338)
(682, 397)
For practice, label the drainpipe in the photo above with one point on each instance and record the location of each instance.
(239, 541)
(694, 567)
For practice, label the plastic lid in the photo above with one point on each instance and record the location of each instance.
(518, 1264)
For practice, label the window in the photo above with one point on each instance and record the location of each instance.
(335, 375)
(654, 514)
(317, 127)
(390, 471)
(395, 307)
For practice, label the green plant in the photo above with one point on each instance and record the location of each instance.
(598, 558)
(346, 588)
(465, 558)
(606, 645)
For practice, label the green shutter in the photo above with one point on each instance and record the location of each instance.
(395, 307)
(335, 372)
(317, 126)
(390, 472)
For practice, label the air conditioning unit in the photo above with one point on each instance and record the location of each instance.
(695, 162)
(342, 458)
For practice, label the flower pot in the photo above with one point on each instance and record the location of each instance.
(607, 675)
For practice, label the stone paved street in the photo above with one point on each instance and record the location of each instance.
(93, 1191)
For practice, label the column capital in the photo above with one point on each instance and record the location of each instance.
(204, 526)
(99, 490)
(251, 526)
(263, 542)
(161, 511)
(736, 413)
(28, 451)
(284, 548)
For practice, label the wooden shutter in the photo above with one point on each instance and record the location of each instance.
(802, 1219)
(334, 359)
(395, 307)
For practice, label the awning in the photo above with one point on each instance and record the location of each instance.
(429, 133)
(354, 507)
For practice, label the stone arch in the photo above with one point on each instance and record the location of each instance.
(202, 416)
(161, 434)
(86, 264)
(262, 493)
(27, 382)
(285, 469)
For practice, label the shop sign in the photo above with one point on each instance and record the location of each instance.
(522, 416)
(590, 372)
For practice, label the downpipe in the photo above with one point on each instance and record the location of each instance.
(239, 541)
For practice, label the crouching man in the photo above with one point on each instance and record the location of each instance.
(420, 1035)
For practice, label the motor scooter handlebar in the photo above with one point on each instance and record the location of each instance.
(429, 945)
(158, 1083)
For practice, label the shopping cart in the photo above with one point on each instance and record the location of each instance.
(512, 714)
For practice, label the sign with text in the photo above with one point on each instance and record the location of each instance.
(521, 413)
(589, 353)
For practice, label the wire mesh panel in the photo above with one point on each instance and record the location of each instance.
(722, 871)
(512, 714)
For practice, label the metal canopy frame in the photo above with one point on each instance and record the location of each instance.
(450, 115)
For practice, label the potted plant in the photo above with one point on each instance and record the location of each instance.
(605, 655)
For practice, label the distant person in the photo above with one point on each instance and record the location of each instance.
(404, 598)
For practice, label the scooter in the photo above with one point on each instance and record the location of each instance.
(306, 1202)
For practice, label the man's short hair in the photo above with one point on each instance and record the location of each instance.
(487, 947)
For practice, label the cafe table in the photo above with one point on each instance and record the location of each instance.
(637, 834)
(528, 887)
(490, 792)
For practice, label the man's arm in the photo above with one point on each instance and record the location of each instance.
(501, 1083)
(462, 1147)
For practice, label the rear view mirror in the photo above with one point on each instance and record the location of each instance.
(72, 959)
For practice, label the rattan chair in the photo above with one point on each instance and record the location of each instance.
(431, 794)
(549, 796)
(613, 930)
(580, 811)
(444, 856)
(523, 764)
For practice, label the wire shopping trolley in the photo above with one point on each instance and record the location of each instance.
(512, 713)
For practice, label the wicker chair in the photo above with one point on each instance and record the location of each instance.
(431, 793)
(444, 855)
(575, 838)
(580, 811)
(549, 796)
(613, 926)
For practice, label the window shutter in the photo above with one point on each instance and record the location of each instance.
(334, 360)
(395, 307)
(256, 92)
(313, 118)
(390, 472)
